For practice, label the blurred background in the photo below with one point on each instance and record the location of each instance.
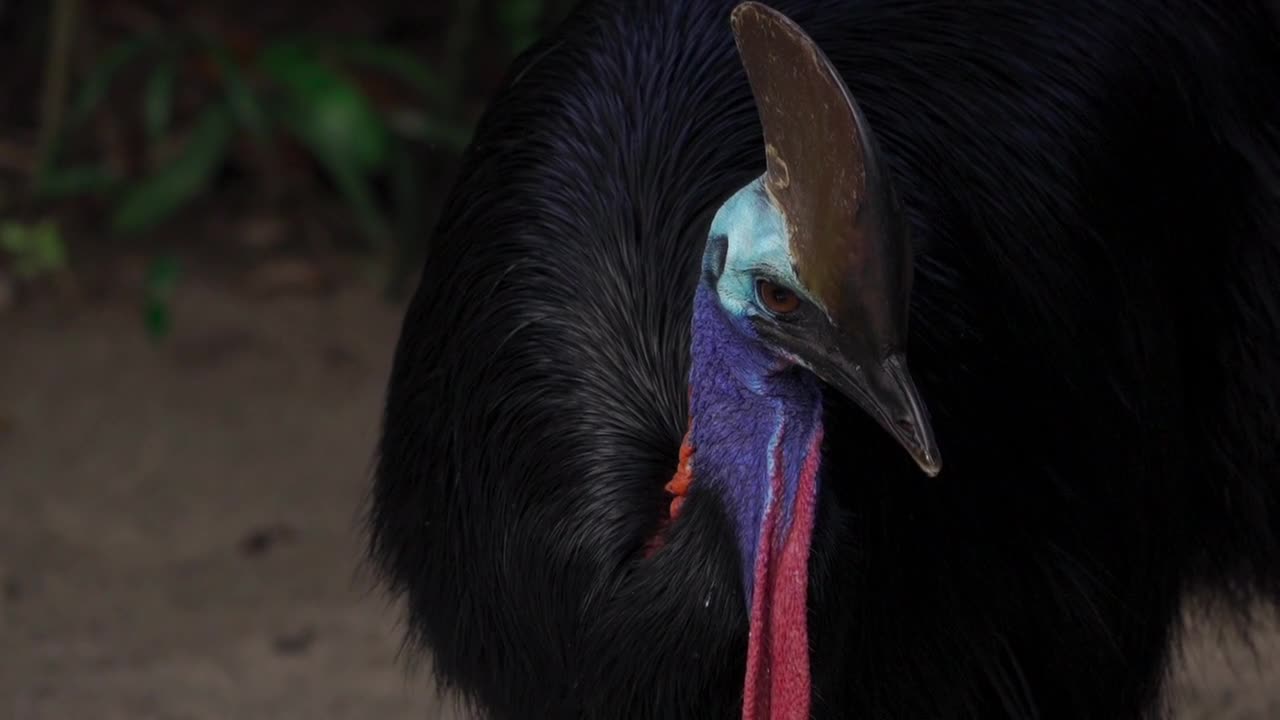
(211, 216)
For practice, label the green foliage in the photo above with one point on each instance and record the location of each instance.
(157, 98)
(304, 88)
(73, 181)
(158, 287)
(96, 85)
(157, 196)
(325, 111)
(244, 105)
(35, 249)
(296, 86)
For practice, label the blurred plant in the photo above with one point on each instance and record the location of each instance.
(34, 249)
(161, 279)
(63, 15)
(300, 87)
(364, 113)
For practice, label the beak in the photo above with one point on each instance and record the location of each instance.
(886, 391)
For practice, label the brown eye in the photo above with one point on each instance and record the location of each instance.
(776, 298)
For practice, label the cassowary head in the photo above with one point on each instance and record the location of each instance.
(806, 278)
(812, 260)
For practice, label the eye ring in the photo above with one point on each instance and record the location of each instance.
(777, 299)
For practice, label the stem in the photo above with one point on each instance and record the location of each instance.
(57, 71)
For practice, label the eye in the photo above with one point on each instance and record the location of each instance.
(776, 298)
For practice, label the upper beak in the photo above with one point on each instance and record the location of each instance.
(887, 392)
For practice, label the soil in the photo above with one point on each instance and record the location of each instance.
(180, 522)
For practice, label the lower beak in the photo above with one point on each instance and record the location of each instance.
(888, 393)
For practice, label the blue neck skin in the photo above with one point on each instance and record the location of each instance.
(745, 402)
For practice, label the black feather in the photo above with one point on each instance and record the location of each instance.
(1094, 186)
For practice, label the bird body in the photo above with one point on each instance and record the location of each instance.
(1091, 192)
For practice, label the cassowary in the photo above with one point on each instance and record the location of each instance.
(660, 442)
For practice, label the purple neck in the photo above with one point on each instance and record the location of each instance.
(745, 402)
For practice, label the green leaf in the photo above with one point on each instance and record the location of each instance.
(162, 277)
(329, 114)
(157, 318)
(159, 195)
(96, 84)
(158, 287)
(67, 182)
(13, 237)
(240, 98)
(47, 252)
(90, 94)
(36, 249)
(356, 190)
(157, 98)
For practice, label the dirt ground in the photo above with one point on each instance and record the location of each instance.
(179, 523)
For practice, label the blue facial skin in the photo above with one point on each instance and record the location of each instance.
(749, 401)
(757, 245)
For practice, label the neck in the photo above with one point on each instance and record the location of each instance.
(757, 431)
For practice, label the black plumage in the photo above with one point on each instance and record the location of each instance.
(1094, 189)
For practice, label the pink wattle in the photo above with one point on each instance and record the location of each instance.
(777, 684)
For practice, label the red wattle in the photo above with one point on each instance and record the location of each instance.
(777, 685)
